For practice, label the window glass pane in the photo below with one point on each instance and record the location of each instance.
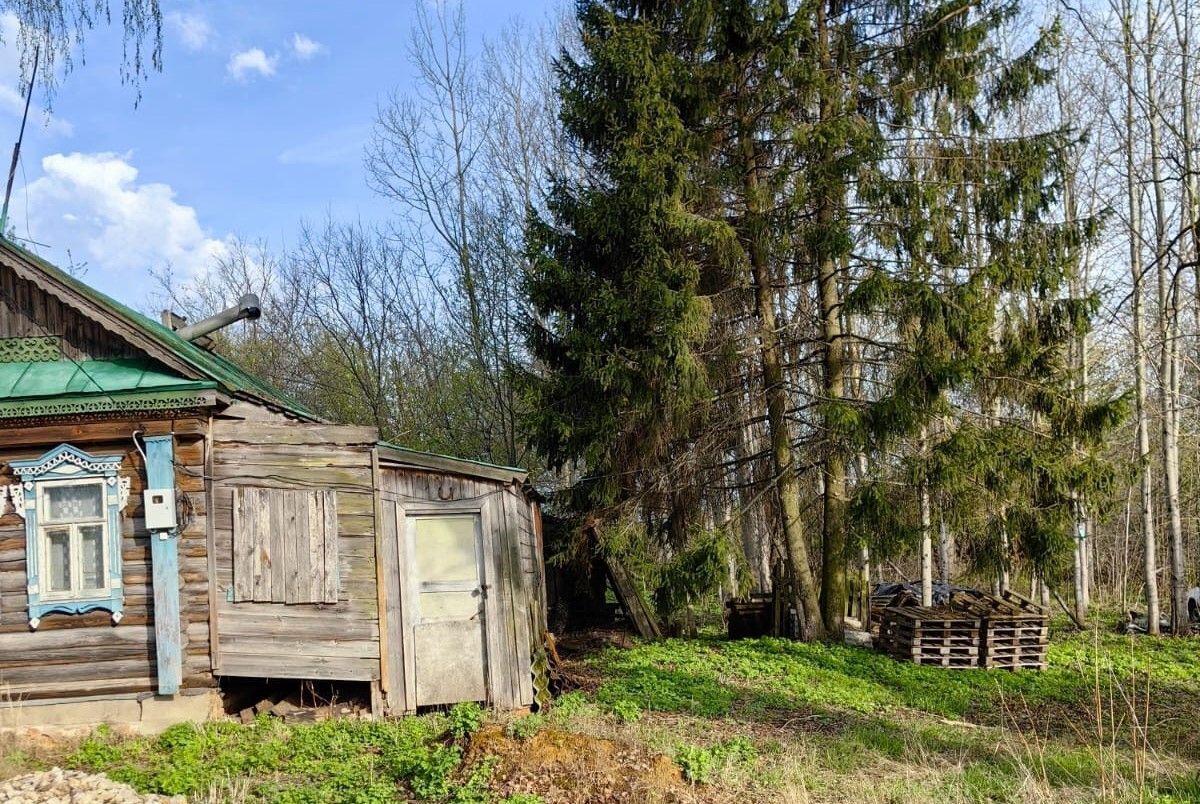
(444, 549)
(449, 605)
(58, 542)
(91, 556)
(75, 503)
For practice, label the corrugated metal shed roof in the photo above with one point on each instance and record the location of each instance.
(432, 460)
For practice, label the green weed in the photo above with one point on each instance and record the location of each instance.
(465, 718)
(626, 711)
(525, 727)
(701, 764)
(335, 760)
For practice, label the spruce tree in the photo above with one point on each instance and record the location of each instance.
(817, 159)
(614, 285)
(973, 269)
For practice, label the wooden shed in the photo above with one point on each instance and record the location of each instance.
(168, 520)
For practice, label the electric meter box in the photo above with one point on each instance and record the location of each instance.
(160, 509)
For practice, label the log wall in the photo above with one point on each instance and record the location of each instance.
(84, 655)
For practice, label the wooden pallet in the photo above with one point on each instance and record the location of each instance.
(930, 637)
(975, 629)
(881, 602)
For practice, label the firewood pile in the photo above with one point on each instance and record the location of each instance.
(969, 629)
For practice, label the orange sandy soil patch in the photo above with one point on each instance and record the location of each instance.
(567, 768)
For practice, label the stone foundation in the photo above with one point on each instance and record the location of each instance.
(133, 714)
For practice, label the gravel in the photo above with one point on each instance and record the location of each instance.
(58, 786)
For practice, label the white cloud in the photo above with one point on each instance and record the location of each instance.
(305, 48)
(244, 63)
(93, 205)
(193, 29)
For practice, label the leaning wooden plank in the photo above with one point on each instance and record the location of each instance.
(497, 634)
(523, 599)
(632, 602)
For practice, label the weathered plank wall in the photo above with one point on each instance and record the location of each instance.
(516, 617)
(83, 655)
(26, 311)
(310, 641)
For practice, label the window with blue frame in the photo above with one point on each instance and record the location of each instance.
(71, 502)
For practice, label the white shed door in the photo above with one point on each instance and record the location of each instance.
(445, 559)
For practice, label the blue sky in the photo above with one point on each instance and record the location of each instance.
(258, 120)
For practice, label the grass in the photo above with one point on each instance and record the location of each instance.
(1111, 719)
(715, 677)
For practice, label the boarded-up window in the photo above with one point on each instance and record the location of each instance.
(284, 546)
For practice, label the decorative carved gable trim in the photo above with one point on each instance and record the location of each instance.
(65, 460)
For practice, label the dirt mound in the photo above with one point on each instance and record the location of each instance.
(564, 768)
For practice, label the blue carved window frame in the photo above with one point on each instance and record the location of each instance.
(66, 462)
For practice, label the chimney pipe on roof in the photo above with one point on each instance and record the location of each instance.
(247, 309)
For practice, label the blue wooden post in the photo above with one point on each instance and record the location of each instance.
(164, 552)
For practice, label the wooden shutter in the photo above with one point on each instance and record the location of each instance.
(284, 546)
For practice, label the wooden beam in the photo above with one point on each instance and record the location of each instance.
(326, 435)
(214, 639)
(164, 552)
(631, 600)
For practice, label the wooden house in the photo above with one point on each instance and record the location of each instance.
(170, 522)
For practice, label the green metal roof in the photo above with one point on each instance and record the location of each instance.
(65, 387)
(230, 377)
(59, 377)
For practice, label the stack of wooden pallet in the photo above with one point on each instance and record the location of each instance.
(938, 636)
(1016, 631)
(974, 629)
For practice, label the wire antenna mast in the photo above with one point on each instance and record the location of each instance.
(12, 169)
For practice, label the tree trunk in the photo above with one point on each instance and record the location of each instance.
(1139, 349)
(1081, 607)
(787, 482)
(926, 529)
(754, 541)
(833, 553)
(1166, 337)
(1169, 330)
(945, 551)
